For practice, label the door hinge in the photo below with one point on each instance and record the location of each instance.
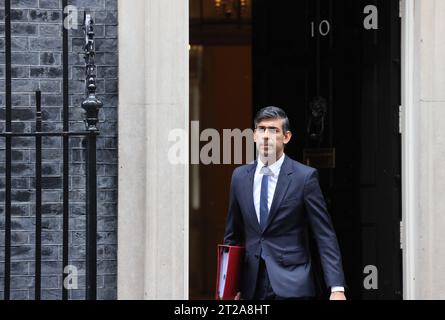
(400, 119)
(400, 8)
(401, 235)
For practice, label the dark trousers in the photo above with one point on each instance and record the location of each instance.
(263, 289)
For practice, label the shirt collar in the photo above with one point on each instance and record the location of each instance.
(275, 167)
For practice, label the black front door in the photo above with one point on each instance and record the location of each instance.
(334, 66)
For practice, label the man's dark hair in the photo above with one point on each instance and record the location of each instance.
(272, 113)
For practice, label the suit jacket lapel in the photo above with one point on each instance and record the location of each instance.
(280, 190)
(249, 195)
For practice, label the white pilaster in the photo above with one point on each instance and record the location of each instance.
(424, 149)
(153, 194)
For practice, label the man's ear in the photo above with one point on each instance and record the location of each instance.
(287, 137)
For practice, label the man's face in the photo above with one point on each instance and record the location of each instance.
(270, 139)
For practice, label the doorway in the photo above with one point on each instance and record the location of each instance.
(334, 67)
(220, 98)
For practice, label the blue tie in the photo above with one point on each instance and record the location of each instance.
(264, 211)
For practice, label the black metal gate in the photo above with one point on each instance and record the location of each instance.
(91, 105)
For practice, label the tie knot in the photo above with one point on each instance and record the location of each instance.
(266, 171)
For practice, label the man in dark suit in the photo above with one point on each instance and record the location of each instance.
(273, 203)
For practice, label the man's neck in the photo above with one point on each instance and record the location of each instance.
(268, 161)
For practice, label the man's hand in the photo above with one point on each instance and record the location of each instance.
(338, 295)
(238, 296)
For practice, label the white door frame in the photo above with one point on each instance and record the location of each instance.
(134, 229)
(410, 145)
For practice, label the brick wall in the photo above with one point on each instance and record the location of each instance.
(36, 58)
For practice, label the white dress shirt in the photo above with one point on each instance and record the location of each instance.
(273, 172)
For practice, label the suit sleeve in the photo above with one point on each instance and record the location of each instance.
(234, 231)
(323, 231)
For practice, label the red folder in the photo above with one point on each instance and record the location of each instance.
(228, 272)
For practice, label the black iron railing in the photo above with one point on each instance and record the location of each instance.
(91, 106)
